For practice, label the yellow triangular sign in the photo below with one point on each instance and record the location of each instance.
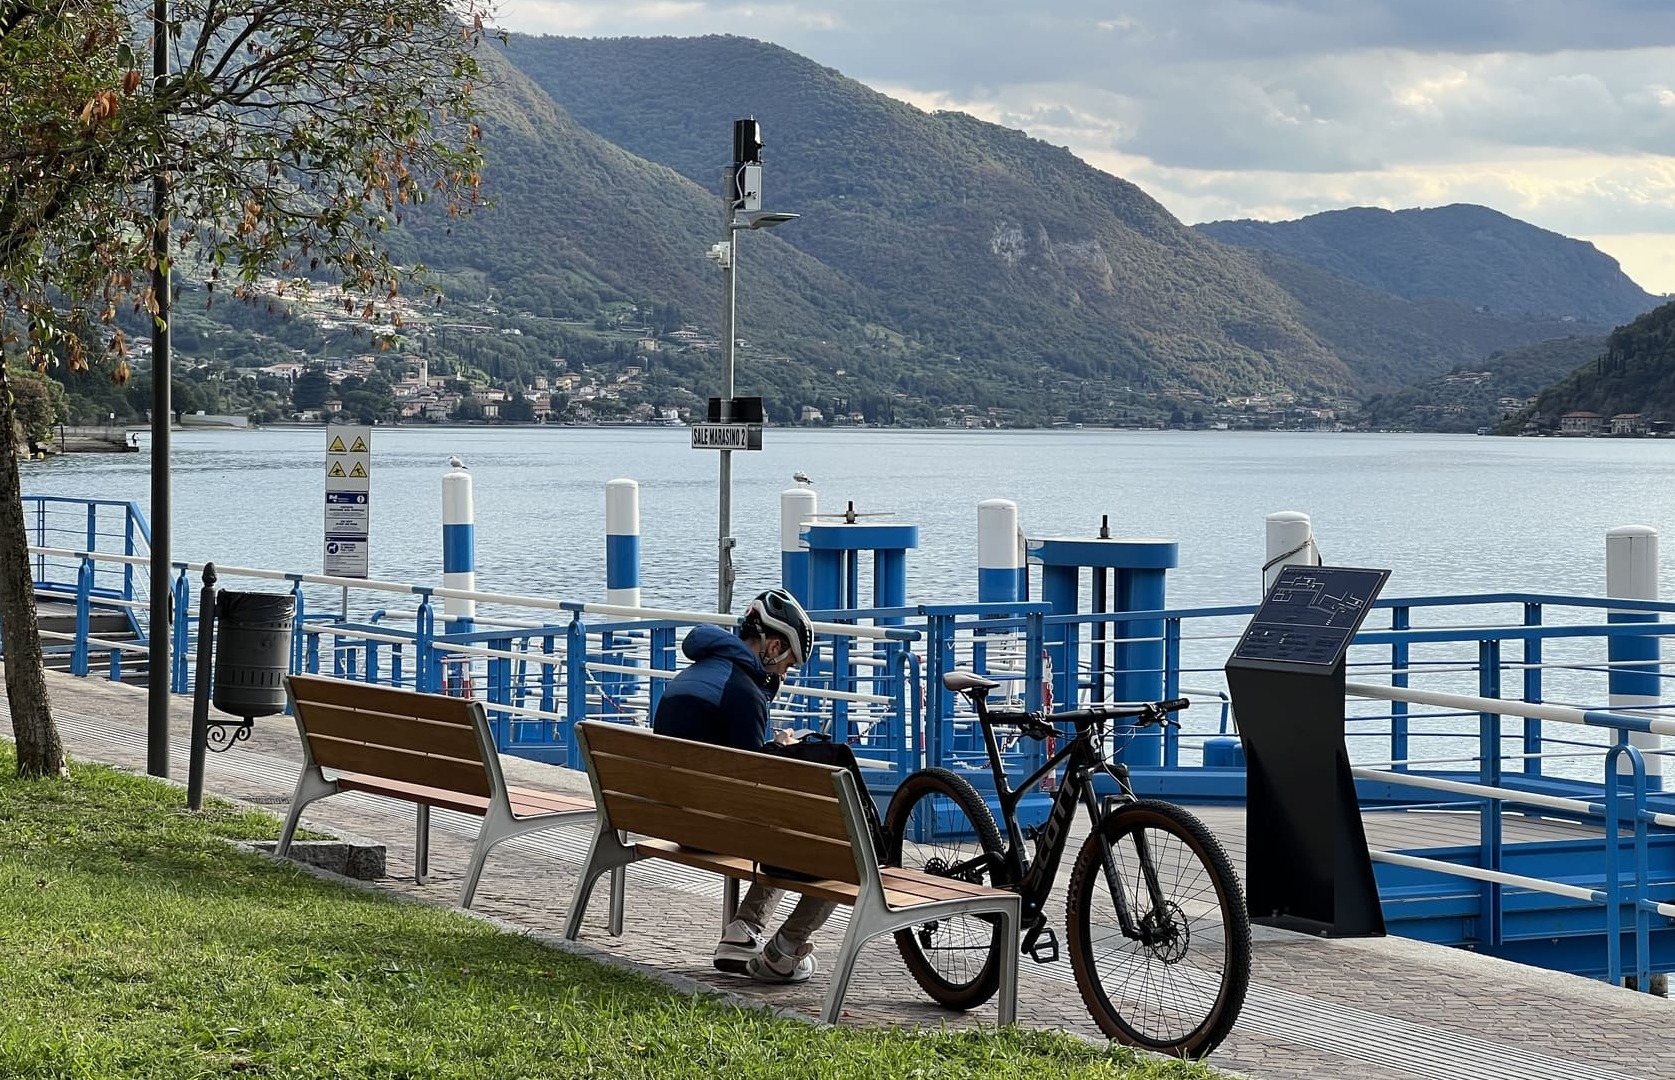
(337, 446)
(359, 447)
(336, 469)
(357, 472)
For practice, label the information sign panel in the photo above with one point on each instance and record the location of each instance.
(726, 436)
(348, 517)
(1309, 616)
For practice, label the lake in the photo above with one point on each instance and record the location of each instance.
(1446, 513)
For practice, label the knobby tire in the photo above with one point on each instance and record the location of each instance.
(1179, 990)
(955, 960)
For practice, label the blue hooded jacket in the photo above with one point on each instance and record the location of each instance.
(721, 698)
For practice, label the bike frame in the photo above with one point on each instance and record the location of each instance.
(1033, 878)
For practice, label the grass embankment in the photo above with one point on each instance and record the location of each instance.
(135, 944)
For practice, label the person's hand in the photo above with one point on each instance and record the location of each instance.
(783, 737)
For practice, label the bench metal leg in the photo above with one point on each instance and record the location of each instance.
(609, 854)
(870, 918)
(619, 898)
(421, 846)
(850, 948)
(1009, 927)
(729, 901)
(312, 785)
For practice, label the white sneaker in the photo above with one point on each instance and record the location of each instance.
(740, 944)
(775, 965)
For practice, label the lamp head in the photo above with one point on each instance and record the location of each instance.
(760, 219)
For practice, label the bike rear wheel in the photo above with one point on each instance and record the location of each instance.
(938, 824)
(1177, 984)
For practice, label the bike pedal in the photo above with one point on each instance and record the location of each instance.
(1042, 945)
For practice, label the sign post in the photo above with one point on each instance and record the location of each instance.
(348, 519)
(1306, 861)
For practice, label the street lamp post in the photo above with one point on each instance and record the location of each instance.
(741, 193)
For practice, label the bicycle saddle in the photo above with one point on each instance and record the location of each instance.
(961, 681)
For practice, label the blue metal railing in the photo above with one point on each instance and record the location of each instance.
(541, 666)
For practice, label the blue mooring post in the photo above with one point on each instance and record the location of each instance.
(459, 550)
(622, 577)
(1140, 569)
(797, 507)
(997, 569)
(1631, 572)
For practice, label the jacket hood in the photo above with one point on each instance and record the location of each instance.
(708, 641)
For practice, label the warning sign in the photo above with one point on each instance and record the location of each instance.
(348, 501)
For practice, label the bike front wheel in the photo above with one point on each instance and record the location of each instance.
(938, 824)
(1174, 979)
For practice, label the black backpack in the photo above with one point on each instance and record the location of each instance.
(821, 750)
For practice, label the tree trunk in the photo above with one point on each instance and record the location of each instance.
(40, 752)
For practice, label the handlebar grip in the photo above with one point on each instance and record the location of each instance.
(1020, 717)
(1174, 706)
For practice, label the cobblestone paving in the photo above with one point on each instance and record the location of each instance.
(1347, 1009)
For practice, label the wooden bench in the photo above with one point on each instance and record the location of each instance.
(733, 811)
(421, 748)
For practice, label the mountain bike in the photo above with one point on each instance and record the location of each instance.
(1156, 926)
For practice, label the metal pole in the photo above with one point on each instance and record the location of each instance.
(162, 595)
(724, 574)
(200, 691)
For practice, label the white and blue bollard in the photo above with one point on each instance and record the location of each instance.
(997, 551)
(797, 507)
(459, 550)
(1631, 573)
(622, 543)
(622, 582)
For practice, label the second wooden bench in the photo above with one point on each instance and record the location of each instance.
(732, 812)
(424, 749)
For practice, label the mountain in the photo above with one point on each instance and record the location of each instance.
(1466, 255)
(994, 255)
(1633, 373)
(941, 267)
(1391, 342)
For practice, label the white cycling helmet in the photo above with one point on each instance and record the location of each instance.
(778, 610)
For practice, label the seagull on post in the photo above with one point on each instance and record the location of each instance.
(801, 477)
(454, 462)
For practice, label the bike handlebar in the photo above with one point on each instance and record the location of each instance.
(1040, 725)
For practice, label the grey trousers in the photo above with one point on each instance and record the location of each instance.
(761, 903)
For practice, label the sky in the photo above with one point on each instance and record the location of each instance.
(1558, 112)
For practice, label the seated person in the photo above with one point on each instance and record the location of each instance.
(722, 698)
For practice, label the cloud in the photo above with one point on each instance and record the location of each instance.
(1550, 110)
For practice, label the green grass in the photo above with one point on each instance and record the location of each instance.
(134, 943)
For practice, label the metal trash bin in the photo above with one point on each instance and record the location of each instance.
(252, 652)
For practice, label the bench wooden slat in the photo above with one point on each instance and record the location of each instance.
(631, 743)
(775, 845)
(416, 793)
(373, 698)
(922, 887)
(839, 892)
(469, 777)
(410, 733)
(528, 802)
(723, 795)
(902, 888)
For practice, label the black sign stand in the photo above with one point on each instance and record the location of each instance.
(1307, 866)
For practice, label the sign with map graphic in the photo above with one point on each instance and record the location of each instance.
(348, 501)
(1309, 616)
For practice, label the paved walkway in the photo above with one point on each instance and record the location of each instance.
(1345, 1009)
